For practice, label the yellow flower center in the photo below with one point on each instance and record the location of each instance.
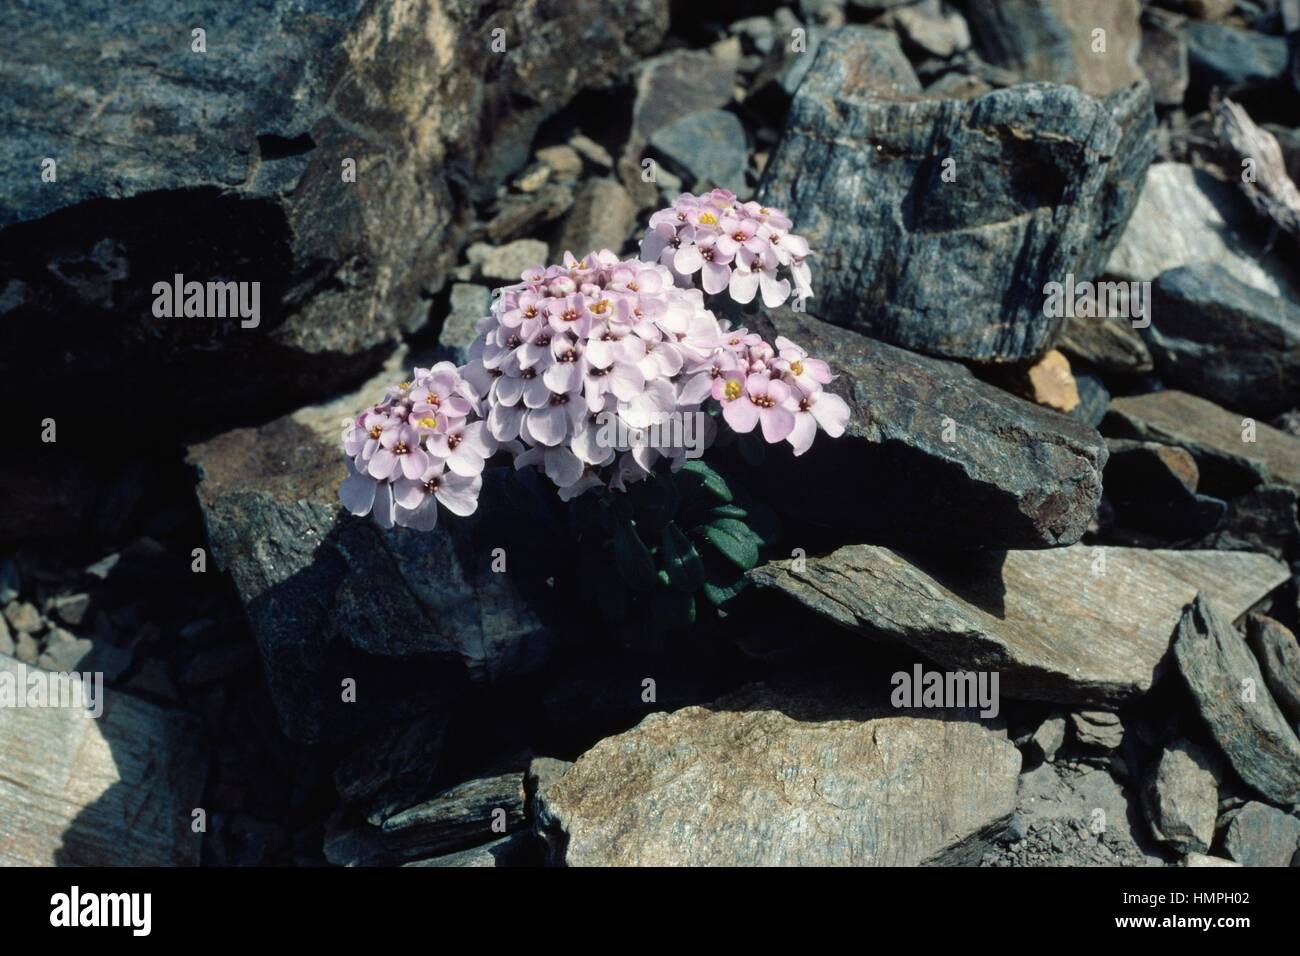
(428, 422)
(601, 307)
(708, 219)
(797, 367)
(732, 390)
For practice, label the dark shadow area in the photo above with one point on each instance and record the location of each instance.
(79, 328)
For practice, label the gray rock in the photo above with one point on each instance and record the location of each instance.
(1288, 422)
(1217, 337)
(26, 649)
(23, 617)
(7, 645)
(1098, 728)
(1279, 658)
(469, 303)
(916, 261)
(1234, 701)
(986, 469)
(468, 814)
(1266, 518)
(1109, 343)
(188, 167)
(407, 616)
(64, 651)
(1074, 814)
(1181, 797)
(1110, 612)
(668, 87)
(503, 265)
(1260, 835)
(706, 149)
(392, 768)
(1094, 399)
(513, 214)
(592, 151)
(565, 161)
(70, 608)
(1288, 141)
(796, 776)
(518, 849)
(1200, 859)
(1186, 216)
(1219, 55)
(104, 567)
(1052, 40)
(1163, 59)
(602, 217)
(931, 27)
(1048, 738)
(758, 32)
(1270, 189)
(1219, 440)
(543, 772)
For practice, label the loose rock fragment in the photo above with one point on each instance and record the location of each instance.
(1260, 835)
(1234, 701)
(1181, 797)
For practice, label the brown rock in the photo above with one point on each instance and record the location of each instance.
(1049, 382)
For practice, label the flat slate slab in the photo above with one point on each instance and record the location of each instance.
(117, 790)
(1076, 624)
(933, 458)
(783, 777)
(1212, 434)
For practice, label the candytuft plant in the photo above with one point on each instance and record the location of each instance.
(611, 377)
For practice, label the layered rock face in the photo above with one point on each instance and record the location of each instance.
(328, 151)
(944, 220)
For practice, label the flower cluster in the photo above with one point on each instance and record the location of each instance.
(578, 362)
(423, 444)
(778, 390)
(739, 247)
(574, 350)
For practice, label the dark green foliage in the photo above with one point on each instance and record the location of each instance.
(673, 548)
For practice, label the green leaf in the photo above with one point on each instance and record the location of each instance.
(708, 479)
(727, 511)
(722, 582)
(684, 566)
(734, 541)
(632, 557)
